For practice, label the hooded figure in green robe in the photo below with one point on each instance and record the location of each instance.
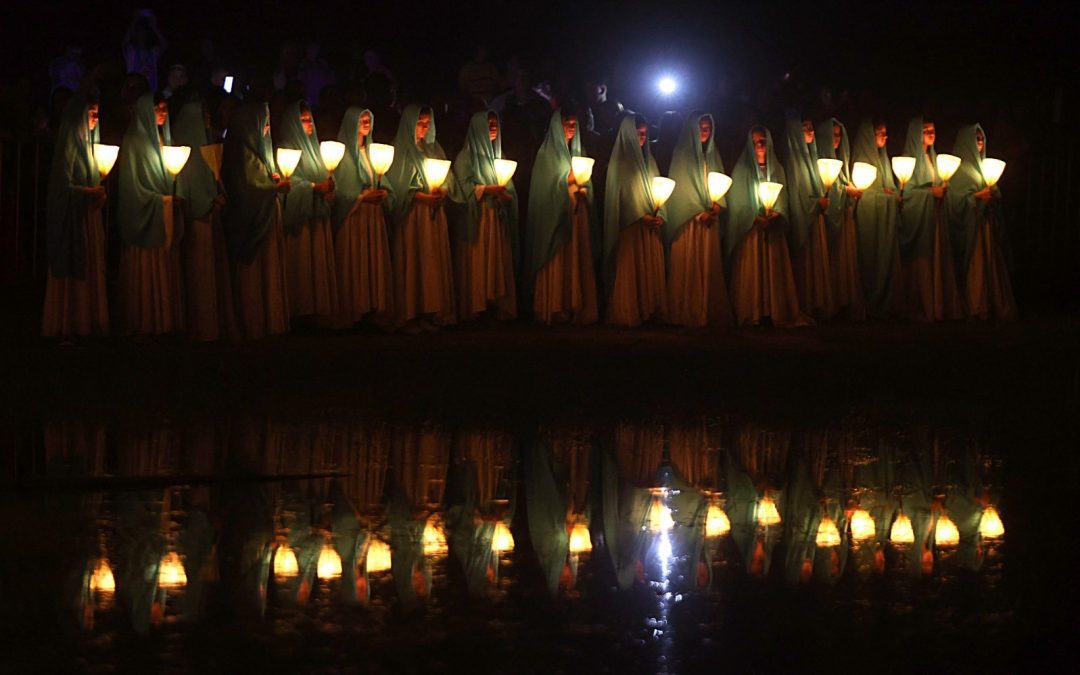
(918, 215)
(248, 170)
(744, 204)
(824, 139)
(196, 184)
(628, 191)
(876, 224)
(143, 178)
(547, 504)
(354, 174)
(548, 220)
(690, 163)
(803, 187)
(406, 175)
(303, 203)
(978, 230)
(475, 166)
(73, 171)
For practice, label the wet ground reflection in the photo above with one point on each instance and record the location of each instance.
(644, 546)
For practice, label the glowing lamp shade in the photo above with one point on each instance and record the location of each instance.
(580, 539)
(902, 532)
(502, 541)
(767, 513)
(285, 564)
(769, 193)
(105, 156)
(717, 523)
(175, 157)
(171, 572)
(382, 156)
(212, 154)
(287, 159)
(946, 532)
(436, 170)
(661, 190)
(434, 536)
(827, 533)
(991, 168)
(829, 169)
(102, 580)
(332, 152)
(862, 525)
(863, 175)
(378, 556)
(660, 519)
(582, 167)
(504, 170)
(990, 525)
(904, 168)
(719, 184)
(947, 166)
(329, 564)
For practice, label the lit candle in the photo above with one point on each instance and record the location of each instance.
(863, 175)
(947, 166)
(504, 171)
(769, 193)
(829, 170)
(719, 184)
(661, 191)
(381, 156)
(332, 153)
(582, 168)
(992, 170)
(105, 156)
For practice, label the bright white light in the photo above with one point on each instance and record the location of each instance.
(667, 85)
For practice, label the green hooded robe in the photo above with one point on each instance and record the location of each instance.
(143, 178)
(73, 170)
(246, 171)
(966, 213)
(690, 162)
(196, 183)
(834, 215)
(803, 186)
(406, 175)
(303, 203)
(744, 204)
(354, 174)
(876, 224)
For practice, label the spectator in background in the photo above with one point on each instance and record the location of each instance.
(374, 65)
(177, 78)
(479, 78)
(314, 73)
(288, 65)
(143, 46)
(67, 69)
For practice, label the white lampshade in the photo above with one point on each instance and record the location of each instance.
(946, 532)
(504, 170)
(105, 155)
(582, 167)
(829, 169)
(502, 541)
(719, 184)
(580, 539)
(381, 156)
(717, 523)
(991, 168)
(436, 170)
(332, 152)
(902, 532)
(285, 563)
(947, 166)
(175, 157)
(862, 525)
(378, 556)
(827, 533)
(767, 513)
(171, 572)
(102, 579)
(661, 190)
(863, 175)
(287, 159)
(769, 193)
(990, 525)
(904, 168)
(329, 563)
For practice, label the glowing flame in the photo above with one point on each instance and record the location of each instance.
(332, 153)
(863, 175)
(946, 532)
(661, 190)
(102, 579)
(436, 170)
(171, 572)
(719, 184)
(502, 541)
(329, 565)
(992, 170)
(105, 156)
(285, 564)
(947, 166)
(829, 170)
(717, 523)
(767, 513)
(827, 533)
(175, 157)
(378, 556)
(287, 159)
(582, 168)
(990, 525)
(382, 156)
(862, 525)
(580, 539)
(769, 193)
(904, 168)
(902, 532)
(504, 170)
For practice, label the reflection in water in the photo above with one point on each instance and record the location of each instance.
(174, 523)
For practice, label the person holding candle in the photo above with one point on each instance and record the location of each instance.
(832, 143)
(207, 283)
(361, 244)
(150, 226)
(697, 292)
(978, 231)
(929, 274)
(253, 228)
(75, 296)
(423, 277)
(807, 204)
(762, 284)
(633, 251)
(561, 229)
(309, 239)
(486, 229)
(876, 219)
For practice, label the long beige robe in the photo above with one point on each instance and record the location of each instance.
(484, 269)
(846, 282)
(423, 273)
(566, 284)
(762, 284)
(697, 292)
(311, 269)
(211, 314)
(151, 284)
(80, 306)
(365, 278)
(640, 292)
(260, 286)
